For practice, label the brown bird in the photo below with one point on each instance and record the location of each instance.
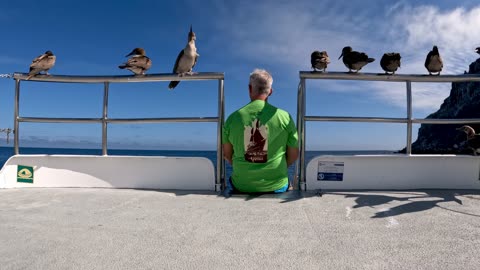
(186, 59)
(319, 60)
(473, 139)
(434, 62)
(390, 62)
(354, 60)
(43, 63)
(138, 63)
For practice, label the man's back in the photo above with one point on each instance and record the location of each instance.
(260, 134)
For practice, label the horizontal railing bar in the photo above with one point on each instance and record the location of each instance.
(446, 121)
(123, 78)
(117, 120)
(163, 120)
(390, 120)
(355, 119)
(391, 78)
(58, 120)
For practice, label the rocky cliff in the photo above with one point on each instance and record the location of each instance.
(463, 102)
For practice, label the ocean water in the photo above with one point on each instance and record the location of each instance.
(7, 152)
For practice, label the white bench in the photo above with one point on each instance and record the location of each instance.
(180, 173)
(393, 172)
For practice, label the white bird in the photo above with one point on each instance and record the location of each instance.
(43, 63)
(186, 59)
(138, 63)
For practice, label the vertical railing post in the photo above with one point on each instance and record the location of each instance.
(104, 119)
(296, 175)
(301, 134)
(15, 120)
(220, 178)
(409, 118)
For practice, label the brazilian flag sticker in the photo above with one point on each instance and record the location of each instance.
(25, 174)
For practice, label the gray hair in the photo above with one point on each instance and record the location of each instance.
(261, 81)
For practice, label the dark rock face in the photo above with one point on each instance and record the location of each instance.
(463, 102)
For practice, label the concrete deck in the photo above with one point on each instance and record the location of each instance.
(80, 228)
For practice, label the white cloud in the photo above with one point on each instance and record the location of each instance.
(284, 35)
(417, 29)
(425, 96)
(455, 32)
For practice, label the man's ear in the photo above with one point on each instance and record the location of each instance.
(271, 91)
(250, 88)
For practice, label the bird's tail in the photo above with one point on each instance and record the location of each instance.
(122, 66)
(173, 84)
(31, 72)
(370, 60)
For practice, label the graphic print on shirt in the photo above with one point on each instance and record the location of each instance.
(256, 142)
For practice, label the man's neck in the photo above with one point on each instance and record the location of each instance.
(260, 97)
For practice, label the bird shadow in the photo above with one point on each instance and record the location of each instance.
(415, 201)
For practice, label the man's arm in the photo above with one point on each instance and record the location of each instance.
(292, 155)
(228, 152)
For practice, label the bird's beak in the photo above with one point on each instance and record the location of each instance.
(129, 54)
(191, 31)
(340, 56)
(459, 128)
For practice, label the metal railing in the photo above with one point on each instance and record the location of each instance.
(104, 120)
(300, 166)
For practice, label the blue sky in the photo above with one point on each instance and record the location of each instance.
(93, 37)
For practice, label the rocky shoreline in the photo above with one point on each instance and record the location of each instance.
(463, 102)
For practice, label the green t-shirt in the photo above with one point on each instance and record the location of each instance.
(260, 134)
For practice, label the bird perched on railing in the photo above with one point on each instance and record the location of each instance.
(186, 60)
(390, 62)
(138, 63)
(43, 63)
(473, 139)
(354, 60)
(434, 62)
(319, 60)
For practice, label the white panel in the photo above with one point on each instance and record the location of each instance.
(183, 173)
(388, 172)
